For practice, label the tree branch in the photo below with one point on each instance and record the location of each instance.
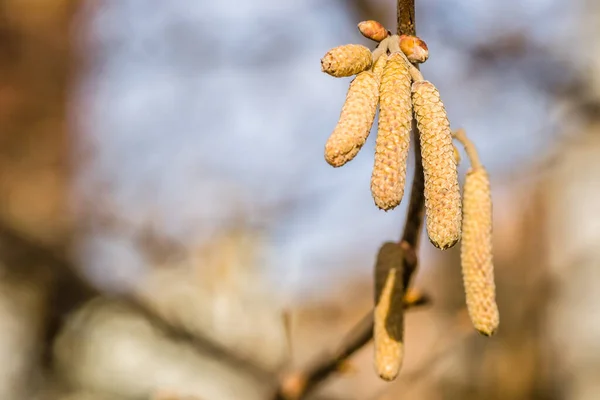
(406, 17)
(298, 385)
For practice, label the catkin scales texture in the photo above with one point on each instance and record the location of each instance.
(379, 65)
(476, 252)
(393, 134)
(346, 60)
(356, 120)
(442, 193)
(389, 312)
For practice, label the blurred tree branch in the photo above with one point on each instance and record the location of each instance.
(299, 384)
(70, 291)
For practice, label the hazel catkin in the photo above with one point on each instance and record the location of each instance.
(388, 333)
(476, 252)
(346, 60)
(393, 134)
(379, 65)
(442, 193)
(356, 120)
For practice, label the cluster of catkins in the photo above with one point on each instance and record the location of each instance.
(387, 77)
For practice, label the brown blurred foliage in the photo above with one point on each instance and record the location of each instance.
(204, 326)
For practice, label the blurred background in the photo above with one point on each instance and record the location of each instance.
(170, 230)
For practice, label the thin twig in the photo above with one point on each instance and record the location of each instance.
(461, 136)
(300, 384)
(70, 291)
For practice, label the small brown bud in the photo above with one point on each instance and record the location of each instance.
(414, 48)
(388, 333)
(393, 134)
(373, 30)
(442, 193)
(347, 60)
(476, 252)
(356, 120)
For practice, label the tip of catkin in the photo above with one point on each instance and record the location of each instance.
(486, 331)
(443, 245)
(389, 371)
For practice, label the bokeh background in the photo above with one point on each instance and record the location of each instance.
(170, 230)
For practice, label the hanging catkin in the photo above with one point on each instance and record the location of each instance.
(356, 120)
(346, 60)
(379, 65)
(393, 134)
(476, 252)
(442, 193)
(388, 334)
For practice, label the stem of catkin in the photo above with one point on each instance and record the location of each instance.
(469, 147)
(381, 49)
(388, 334)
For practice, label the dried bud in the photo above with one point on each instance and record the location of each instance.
(442, 193)
(414, 48)
(393, 134)
(388, 333)
(356, 120)
(373, 30)
(476, 252)
(347, 60)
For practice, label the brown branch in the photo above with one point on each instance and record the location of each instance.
(25, 258)
(406, 17)
(299, 384)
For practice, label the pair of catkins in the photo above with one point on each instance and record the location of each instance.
(388, 78)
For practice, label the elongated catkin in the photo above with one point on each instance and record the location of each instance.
(356, 120)
(379, 66)
(442, 193)
(347, 60)
(476, 252)
(393, 134)
(388, 334)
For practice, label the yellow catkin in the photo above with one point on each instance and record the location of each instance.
(393, 134)
(356, 120)
(442, 193)
(456, 154)
(476, 252)
(379, 65)
(347, 60)
(388, 334)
